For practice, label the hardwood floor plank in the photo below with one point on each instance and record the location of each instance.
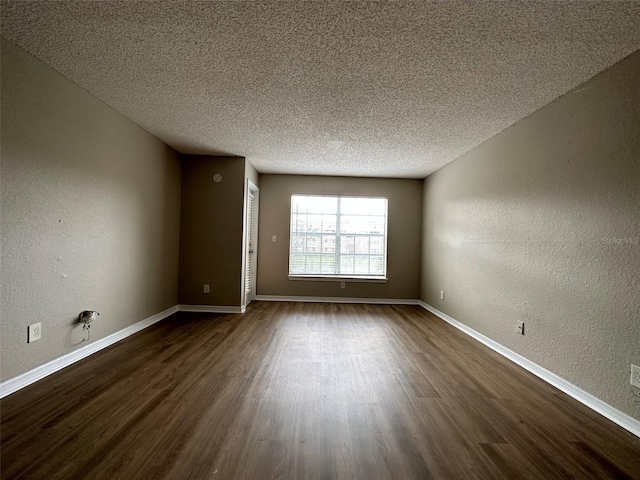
(305, 391)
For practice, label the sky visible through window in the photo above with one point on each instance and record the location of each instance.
(338, 236)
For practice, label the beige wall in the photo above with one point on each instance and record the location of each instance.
(250, 173)
(90, 215)
(404, 216)
(541, 224)
(211, 230)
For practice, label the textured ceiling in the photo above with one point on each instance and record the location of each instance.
(379, 88)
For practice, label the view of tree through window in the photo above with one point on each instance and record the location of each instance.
(336, 236)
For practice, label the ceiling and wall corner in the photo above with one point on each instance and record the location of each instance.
(386, 89)
(541, 224)
(90, 216)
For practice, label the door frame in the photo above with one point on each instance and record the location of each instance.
(250, 188)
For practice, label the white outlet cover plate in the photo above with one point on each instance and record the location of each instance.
(34, 332)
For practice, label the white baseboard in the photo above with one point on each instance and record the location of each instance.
(212, 308)
(376, 301)
(16, 383)
(604, 409)
(625, 421)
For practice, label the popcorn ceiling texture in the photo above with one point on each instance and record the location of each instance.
(333, 88)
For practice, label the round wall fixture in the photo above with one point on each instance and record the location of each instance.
(217, 178)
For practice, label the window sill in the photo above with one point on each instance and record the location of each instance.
(338, 278)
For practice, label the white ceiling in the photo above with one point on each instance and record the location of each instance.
(385, 88)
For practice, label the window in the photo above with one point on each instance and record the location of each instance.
(338, 237)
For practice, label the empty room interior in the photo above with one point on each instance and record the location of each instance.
(320, 240)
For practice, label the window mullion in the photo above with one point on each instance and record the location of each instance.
(338, 247)
(369, 257)
(321, 241)
(306, 237)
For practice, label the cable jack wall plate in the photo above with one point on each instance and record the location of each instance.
(635, 376)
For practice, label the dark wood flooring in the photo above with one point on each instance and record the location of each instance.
(305, 391)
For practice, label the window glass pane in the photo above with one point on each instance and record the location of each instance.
(313, 263)
(361, 264)
(347, 244)
(328, 264)
(314, 223)
(377, 244)
(313, 243)
(377, 265)
(311, 204)
(297, 243)
(329, 223)
(377, 225)
(349, 224)
(361, 224)
(338, 235)
(363, 206)
(297, 264)
(328, 244)
(362, 244)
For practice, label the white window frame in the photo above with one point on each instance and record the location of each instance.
(334, 277)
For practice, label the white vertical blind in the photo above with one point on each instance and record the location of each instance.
(250, 240)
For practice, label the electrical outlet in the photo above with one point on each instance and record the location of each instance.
(520, 327)
(441, 294)
(207, 288)
(635, 376)
(34, 332)
(274, 238)
(342, 284)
